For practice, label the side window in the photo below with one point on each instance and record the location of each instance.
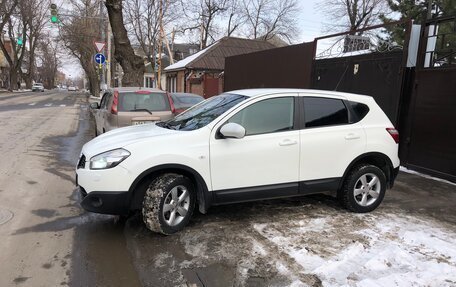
(268, 116)
(360, 111)
(321, 112)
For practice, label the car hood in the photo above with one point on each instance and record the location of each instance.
(122, 137)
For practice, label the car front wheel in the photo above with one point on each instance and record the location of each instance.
(363, 189)
(168, 203)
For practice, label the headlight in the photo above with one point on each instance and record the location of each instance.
(109, 159)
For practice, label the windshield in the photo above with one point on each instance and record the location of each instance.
(202, 114)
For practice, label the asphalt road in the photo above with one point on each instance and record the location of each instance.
(46, 239)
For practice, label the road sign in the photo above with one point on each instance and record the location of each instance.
(100, 58)
(99, 45)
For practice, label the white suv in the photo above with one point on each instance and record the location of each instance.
(241, 146)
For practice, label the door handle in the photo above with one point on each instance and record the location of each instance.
(352, 136)
(287, 142)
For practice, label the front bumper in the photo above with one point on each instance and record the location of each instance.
(114, 202)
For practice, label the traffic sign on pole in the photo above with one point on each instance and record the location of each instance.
(99, 46)
(100, 58)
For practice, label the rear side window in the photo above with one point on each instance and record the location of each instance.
(359, 110)
(150, 101)
(321, 112)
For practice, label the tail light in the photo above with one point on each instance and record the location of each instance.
(394, 134)
(115, 102)
(171, 103)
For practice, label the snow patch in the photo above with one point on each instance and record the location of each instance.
(404, 169)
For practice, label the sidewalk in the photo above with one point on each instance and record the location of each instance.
(15, 91)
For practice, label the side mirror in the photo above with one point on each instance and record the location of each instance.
(232, 130)
(94, 106)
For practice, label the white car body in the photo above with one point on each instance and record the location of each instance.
(300, 157)
(38, 87)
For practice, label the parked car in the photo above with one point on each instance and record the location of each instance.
(71, 89)
(183, 101)
(123, 107)
(241, 146)
(38, 87)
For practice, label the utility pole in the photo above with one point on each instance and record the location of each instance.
(102, 35)
(108, 54)
(429, 10)
(160, 44)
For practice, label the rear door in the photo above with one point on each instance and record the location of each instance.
(329, 142)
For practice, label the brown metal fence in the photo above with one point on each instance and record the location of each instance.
(287, 67)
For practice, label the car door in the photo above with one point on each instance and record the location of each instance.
(329, 142)
(101, 113)
(264, 163)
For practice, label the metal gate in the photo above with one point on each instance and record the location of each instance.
(429, 143)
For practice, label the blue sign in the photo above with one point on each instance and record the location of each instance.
(100, 58)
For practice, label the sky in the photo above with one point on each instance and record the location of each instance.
(310, 22)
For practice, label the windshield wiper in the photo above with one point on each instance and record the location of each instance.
(165, 125)
(141, 110)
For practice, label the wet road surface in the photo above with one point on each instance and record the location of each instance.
(50, 241)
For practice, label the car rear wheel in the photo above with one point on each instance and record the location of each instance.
(363, 189)
(168, 203)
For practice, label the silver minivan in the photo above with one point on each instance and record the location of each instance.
(121, 107)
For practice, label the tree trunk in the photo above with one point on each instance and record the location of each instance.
(13, 78)
(132, 65)
(28, 80)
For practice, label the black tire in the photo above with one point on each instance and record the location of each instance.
(353, 202)
(159, 191)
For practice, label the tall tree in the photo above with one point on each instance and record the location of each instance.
(351, 15)
(77, 36)
(49, 62)
(16, 26)
(203, 16)
(35, 12)
(132, 65)
(416, 10)
(268, 18)
(143, 22)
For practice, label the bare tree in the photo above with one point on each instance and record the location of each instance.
(77, 36)
(203, 16)
(49, 62)
(132, 65)
(35, 12)
(16, 26)
(143, 22)
(352, 15)
(268, 18)
(235, 17)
